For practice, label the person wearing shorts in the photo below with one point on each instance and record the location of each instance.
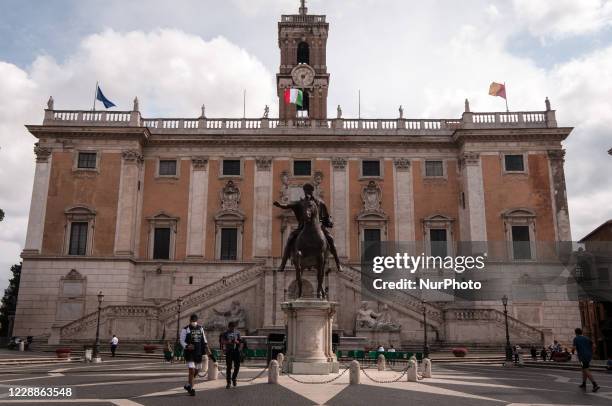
(195, 346)
(584, 347)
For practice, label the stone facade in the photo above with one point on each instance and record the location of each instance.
(226, 174)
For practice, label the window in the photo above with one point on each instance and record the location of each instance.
(231, 167)
(521, 246)
(370, 168)
(371, 243)
(78, 238)
(303, 53)
(438, 241)
(161, 243)
(301, 168)
(229, 243)
(434, 168)
(167, 167)
(191, 280)
(87, 160)
(514, 163)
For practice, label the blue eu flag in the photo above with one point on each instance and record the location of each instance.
(100, 96)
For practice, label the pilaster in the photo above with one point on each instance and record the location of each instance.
(340, 205)
(38, 206)
(262, 216)
(127, 206)
(196, 216)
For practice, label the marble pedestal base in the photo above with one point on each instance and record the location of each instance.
(380, 337)
(309, 337)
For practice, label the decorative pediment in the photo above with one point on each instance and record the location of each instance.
(520, 213)
(437, 219)
(73, 275)
(79, 213)
(161, 216)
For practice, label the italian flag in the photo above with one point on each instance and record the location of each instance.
(294, 96)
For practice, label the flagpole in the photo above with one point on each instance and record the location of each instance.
(95, 97)
(244, 103)
(506, 98)
(359, 108)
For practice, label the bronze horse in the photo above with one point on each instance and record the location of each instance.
(310, 249)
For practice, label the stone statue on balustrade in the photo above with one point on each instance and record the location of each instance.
(222, 318)
(266, 111)
(369, 319)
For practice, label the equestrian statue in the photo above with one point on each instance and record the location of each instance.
(309, 244)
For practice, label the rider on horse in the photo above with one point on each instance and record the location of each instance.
(324, 217)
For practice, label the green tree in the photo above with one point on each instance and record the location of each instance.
(9, 301)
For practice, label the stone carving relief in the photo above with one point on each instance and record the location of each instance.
(230, 196)
(293, 191)
(371, 196)
(132, 156)
(199, 163)
(221, 318)
(42, 153)
(402, 164)
(338, 163)
(369, 319)
(263, 163)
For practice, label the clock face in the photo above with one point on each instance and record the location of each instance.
(303, 75)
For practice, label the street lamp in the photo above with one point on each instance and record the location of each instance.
(97, 343)
(508, 347)
(179, 302)
(425, 346)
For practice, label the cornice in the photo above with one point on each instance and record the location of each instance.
(114, 132)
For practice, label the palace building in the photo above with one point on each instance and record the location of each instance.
(175, 215)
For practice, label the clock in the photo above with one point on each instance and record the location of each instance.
(303, 75)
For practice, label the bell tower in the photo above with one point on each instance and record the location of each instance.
(302, 39)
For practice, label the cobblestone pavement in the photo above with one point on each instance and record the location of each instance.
(133, 382)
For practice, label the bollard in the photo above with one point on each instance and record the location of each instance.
(411, 374)
(273, 372)
(21, 346)
(280, 358)
(413, 358)
(213, 371)
(426, 368)
(205, 364)
(381, 363)
(354, 372)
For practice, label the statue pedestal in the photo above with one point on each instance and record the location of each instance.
(309, 337)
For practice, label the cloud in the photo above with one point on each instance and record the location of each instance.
(564, 18)
(172, 73)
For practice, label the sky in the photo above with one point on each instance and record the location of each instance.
(427, 56)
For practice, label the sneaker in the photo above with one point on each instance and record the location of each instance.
(227, 386)
(234, 382)
(187, 387)
(583, 386)
(192, 392)
(595, 387)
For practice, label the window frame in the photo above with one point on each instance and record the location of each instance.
(158, 173)
(79, 214)
(520, 217)
(293, 174)
(75, 162)
(155, 240)
(221, 253)
(444, 169)
(222, 174)
(380, 169)
(438, 222)
(162, 220)
(84, 226)
(505, 171)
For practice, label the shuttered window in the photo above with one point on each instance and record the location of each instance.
(161, 243)
(78, 238)
(229, 244)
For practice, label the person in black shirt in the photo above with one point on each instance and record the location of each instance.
(231, 344)
(195, 345)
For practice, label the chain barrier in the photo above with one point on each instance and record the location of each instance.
(317, 382)
(385, 381)
(247, 379)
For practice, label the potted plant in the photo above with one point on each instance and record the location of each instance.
(150, 348)
(460, 352)
(63, 352)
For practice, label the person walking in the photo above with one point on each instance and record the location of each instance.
(584, 347)
(231, 344)
(543, 354)
(194, 342)
(114, 342)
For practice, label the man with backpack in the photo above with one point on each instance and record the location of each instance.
(195, 346)
(232, 344)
